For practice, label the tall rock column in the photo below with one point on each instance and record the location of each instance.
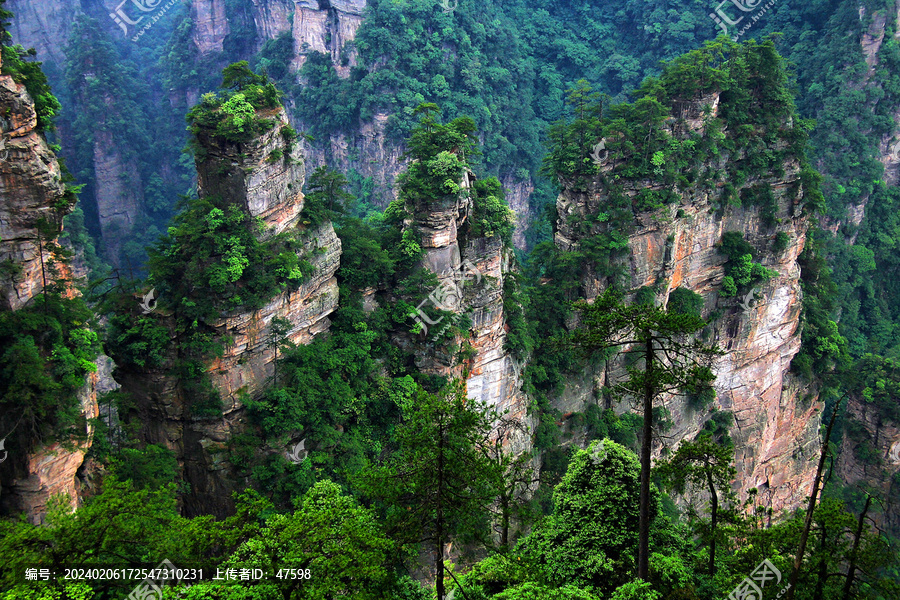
(776, 416)
(33, 200)
(245, 175)
(475, 268)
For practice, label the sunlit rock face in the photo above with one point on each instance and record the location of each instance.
(31, 191)
(776, 416)
(245, 175)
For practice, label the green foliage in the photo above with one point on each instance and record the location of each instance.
(490, 214)
(329, 533)
(636, 590)
(740, 270)
(823, 348)
(30, 74)
(234, 115)
(535, 591)
(326, 197)
(683, 301)
(441, 473)
(152, 467)
(209, 248)
(140, 341)
(591, 538)
(782, 242)
(641, 329)
(47, 352)
(119, 525)
(110, 90)
(645, 295)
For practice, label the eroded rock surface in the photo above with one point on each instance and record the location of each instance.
(245, 175)
(776, 417)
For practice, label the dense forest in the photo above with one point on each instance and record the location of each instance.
(408, 300)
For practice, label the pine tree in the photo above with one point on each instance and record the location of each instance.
(667, 360)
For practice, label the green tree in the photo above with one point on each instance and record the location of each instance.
(329, 534)
(667, 359)
(701, 465)
(278, 337)
(590, 538)
(326, 196)
(441, 481)
(120, 526)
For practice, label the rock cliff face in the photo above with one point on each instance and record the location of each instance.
(118, 193)
(44, 26)
(31, 188)
(471, 271)
(314, 26)
(31, 184)
(776, 418)
(878, 471)
(244, 175)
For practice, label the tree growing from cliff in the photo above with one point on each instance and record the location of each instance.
(701, 465)
(441, 482)
(662, 357)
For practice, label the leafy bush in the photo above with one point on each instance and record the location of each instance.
(685, 302)
(740, 270)
(48, 349)
(490, 214)
(234, 115)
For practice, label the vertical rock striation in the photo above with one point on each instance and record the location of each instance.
(244, 175)
(31, 191)
(776, 417)
(471, 271)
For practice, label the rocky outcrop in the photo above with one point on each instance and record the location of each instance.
(314, 26)
(210, 25)
(31, 187)
(118, 194)
(518, 196)
(776, 417)
(31, 192)
(471, 272)
(876, 467)
(245, 175)
(44, 26)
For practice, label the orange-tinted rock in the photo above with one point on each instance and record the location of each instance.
(776, 426)
(241, 174)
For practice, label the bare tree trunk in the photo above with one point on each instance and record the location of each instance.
(823, 567)
(504, 527)
(714, 514)
(646, 442)
(851, 570)
(439, 520)
(804, 535)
